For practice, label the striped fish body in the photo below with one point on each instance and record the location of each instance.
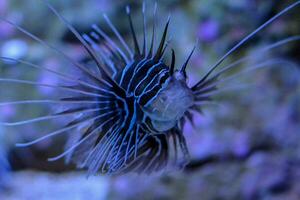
(161, 97)
(152, 104)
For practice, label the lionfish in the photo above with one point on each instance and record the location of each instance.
(132, 104)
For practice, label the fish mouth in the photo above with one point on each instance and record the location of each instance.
(163, 126)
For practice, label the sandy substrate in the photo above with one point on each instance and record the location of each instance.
(29, 185)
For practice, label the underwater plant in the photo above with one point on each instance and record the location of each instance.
(131, 104)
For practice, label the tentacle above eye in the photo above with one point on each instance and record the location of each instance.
(212, 88)
(244, 40)
(240, 61)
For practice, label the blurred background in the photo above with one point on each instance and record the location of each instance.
(246, 146)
